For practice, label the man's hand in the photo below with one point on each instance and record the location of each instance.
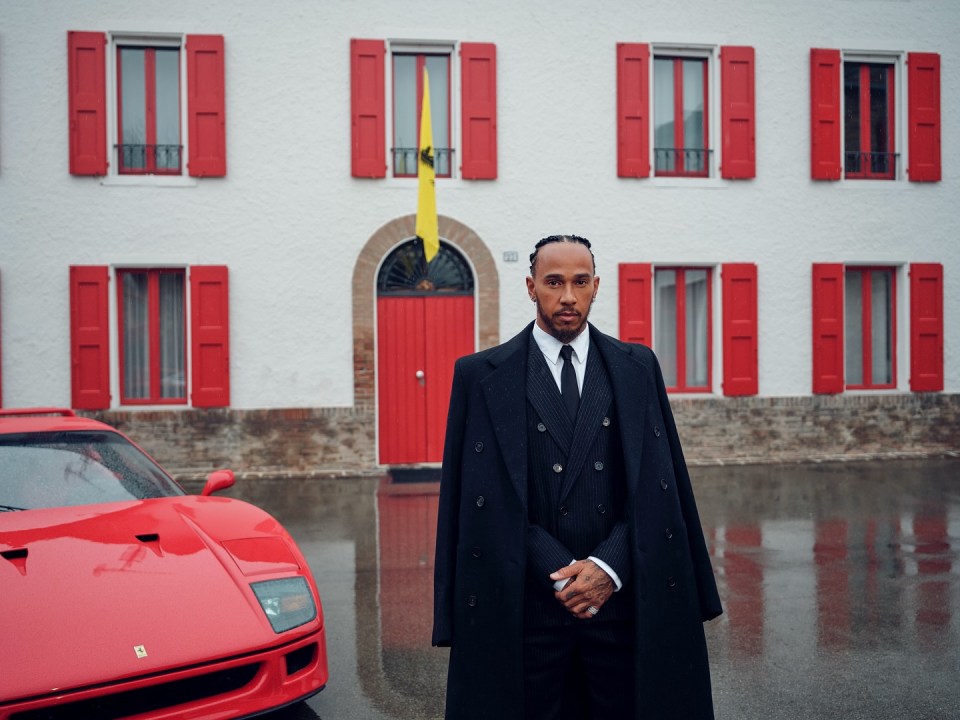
(590, 587)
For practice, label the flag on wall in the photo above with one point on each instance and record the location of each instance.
(427, 227)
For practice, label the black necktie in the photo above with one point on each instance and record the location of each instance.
(568, 382)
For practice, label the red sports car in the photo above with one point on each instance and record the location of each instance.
(121, 595)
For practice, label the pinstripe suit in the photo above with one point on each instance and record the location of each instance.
(487, 549)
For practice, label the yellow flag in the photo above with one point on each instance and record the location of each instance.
(427, 228)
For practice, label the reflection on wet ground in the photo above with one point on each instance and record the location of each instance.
(841, 586)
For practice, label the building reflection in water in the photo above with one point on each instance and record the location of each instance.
(813, 562)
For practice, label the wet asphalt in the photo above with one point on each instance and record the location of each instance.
(840, 582)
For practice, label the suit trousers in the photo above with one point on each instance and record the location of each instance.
(579, 671)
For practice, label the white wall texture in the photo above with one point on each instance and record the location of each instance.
(289, 221)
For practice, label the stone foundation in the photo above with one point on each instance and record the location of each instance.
(341, 441)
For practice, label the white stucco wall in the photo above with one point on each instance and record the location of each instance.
(289, 221)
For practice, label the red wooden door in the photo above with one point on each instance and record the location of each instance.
(419, 338)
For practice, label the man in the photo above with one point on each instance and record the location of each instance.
(572, 577)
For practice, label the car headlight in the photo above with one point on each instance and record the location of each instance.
(287, 603)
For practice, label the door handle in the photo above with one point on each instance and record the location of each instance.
(420, 376)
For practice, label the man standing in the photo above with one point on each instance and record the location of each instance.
(572, 577)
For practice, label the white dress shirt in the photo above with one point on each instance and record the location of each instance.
(550, 347)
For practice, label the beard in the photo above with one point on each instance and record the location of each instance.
(564, 333)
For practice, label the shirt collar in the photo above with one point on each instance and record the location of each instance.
(550, 346)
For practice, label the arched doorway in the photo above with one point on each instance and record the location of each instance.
(425, 321)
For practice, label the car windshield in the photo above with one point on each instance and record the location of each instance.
(43, 470)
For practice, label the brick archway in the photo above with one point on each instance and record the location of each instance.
(382, 242)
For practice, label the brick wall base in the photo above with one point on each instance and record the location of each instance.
(341, 441)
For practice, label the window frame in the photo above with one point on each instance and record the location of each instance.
(678, 127)
(114, 176)
(421, 49)
(897, 119)
(682, 385)
(153, 310)
(866, 326)
(893, 127)
(710, 55)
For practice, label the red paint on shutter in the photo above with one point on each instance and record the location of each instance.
(636, 293)
(827, 328)
(87, 83)
(633, 110)
(478, 74)
(926, 327)
(368, 149)
(740, 367)
(738, 115)
(206, 106)
(210, 335)
(825, 125)
(418, 334)
(89, 338)
(923, 78)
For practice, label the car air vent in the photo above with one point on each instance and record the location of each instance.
(148, 537)
(15, 554)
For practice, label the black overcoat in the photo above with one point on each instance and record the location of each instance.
(483, 522)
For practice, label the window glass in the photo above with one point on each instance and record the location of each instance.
(881, 327)
(693, 115)
(438, 68)
(405, 131)
(853, 327)
(665, 327)
(133, 109)
(136, 336)
(695, 299)
(663, 139)
(168, 109)
(172, 350)
(868, 120)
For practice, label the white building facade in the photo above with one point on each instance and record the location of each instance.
(207, 215)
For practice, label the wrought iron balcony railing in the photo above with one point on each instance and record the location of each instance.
(687, 162)
(870, 165)
(142, 159)
(405, 161)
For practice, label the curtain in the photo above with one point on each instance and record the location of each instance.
(136, 336)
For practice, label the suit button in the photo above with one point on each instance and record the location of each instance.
(668, 533)
(472, 600)
(663, 484)
(541, 427)
(476, 552)
(557, 468)
(606, 422)
(601, 509)
(480, 501)
(598, 466)
(656, 430)
(671, 582)
(563, 511)
(478, 447)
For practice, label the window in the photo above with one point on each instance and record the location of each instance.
(855, 106)
(152, 328)
(671, 309)
(165, 104)
(681, 139)
(684, 134)
(855, 311)
(476, 156)
(870, 327)
(407, 104)
(172, 344)
(868, 120)
(148, 110)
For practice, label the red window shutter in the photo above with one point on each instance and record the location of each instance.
(825, 114)
(87, 88)
(740, 367)
(210, 335)
(636, 291)
(89, 337)
(206, 106)
(478, 75)
(923, 77)
(633, 110)
(827, 328)
(926, 327)
(367, 109)
(738, 115)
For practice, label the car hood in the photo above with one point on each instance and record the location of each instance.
(98, 593)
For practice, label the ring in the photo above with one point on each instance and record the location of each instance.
(592, 610)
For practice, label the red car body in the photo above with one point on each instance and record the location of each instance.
(148, 608)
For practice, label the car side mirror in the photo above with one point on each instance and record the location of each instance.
(218, 480)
